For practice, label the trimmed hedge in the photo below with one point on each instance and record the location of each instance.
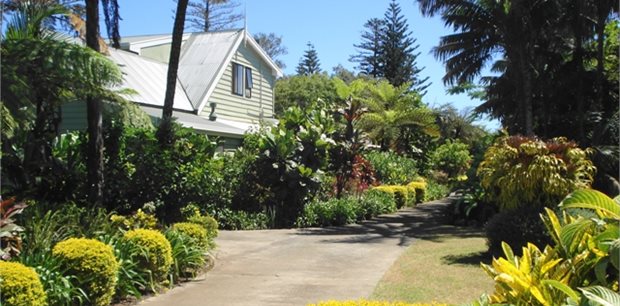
(400, 193)
(419, 189)
(94, 265)
(20, 286)
(158, 252)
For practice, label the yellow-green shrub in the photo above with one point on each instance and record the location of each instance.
(138, 220)
(419, 189)
(20, 285)
(521, 171)
(157, 256)
(94, 265)
(363, 302)
(400, 193)
(193, 215)
(195, 232)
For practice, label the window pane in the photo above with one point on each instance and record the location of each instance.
(248, 78)
(237, 79)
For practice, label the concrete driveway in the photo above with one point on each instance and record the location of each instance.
(301, 266)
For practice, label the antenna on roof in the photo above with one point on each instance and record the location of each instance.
(245, 23)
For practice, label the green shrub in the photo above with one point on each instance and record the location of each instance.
(376, 202)
(517, 228)
(157, 256)
(196, 233)
(20, 285)
(187, 257)
(60, 289)
(193, 215)
(138, 220)
(452, 158)
(94, 265)
(331, 212)
(521, 171)
(400, 193)
(294, 152)
(435, 191)
(240, 220)
(139, 170)
(391, 168)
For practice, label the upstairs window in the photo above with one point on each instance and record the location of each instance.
(248, 82)
(237, 79)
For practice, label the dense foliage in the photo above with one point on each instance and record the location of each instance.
(391, 168)
(520, 171)
(453, 158)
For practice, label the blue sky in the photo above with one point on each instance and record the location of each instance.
(333, 26)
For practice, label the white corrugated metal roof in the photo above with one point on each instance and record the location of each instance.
(203, 56)
(148, 79)
(217, 128)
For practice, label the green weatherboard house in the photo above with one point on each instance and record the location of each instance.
(225, 82)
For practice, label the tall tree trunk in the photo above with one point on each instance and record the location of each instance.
(578, 62)
(600, 57)
(94, 117)
(207, 12)
(520, 17)
(164, 133)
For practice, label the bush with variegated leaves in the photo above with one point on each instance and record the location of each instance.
(522, 171)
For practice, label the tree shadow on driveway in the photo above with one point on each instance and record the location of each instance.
(425, 221)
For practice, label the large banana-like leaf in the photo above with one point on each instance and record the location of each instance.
(601, 295)
(571, 235)
(592, 199)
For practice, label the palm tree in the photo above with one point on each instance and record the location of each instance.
(391, 110)
(164, 132)
(485, 28)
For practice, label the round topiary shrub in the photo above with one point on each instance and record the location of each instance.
(20, 285)
(93, 264)
(195, 232)
(516, 228)
(157, 256)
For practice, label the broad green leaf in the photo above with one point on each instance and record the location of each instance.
(601, 295)
(562, 287)
(572, 234)
(614, 253)
(591, 199)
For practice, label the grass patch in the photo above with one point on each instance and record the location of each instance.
(444, 270)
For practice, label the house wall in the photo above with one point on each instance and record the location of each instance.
(160, 53)
(73, 117)
(238, 108)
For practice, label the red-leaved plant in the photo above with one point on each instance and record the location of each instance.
(10, 240)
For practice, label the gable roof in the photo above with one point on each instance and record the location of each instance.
(148, 78)
(204, 58)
